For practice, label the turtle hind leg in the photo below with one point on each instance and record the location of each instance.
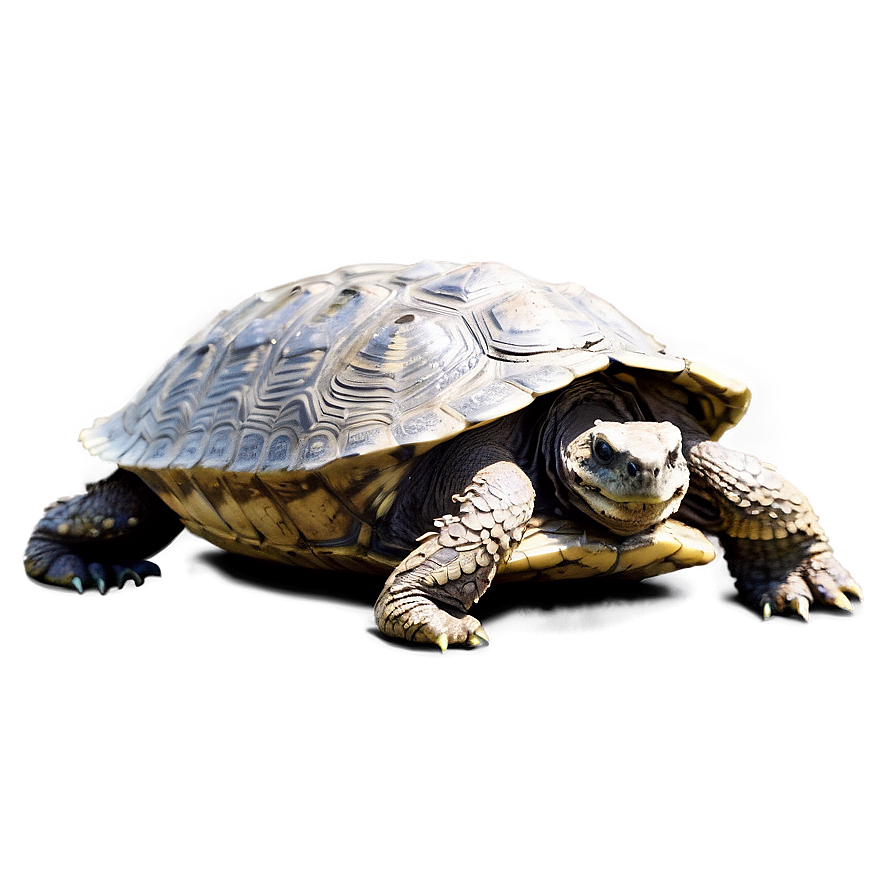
(103, 537)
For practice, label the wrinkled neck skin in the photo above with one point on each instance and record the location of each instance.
(609, 463)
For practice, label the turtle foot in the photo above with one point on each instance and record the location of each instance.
(99, 539)
(821, 580)
(49, 562)
(444, 630)
(475, 638)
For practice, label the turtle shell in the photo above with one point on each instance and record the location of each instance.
(369, 358)
(282, 430)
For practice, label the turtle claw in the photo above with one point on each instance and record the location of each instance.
(841, 602)
(461, 636)
(775, 606)
(128, 575)
(137, 573)
(71, 571)
(98, 573)
(429, 624)
(799, 606)
(145, 568)
(830, 583)
(475, 639)
(789, 598)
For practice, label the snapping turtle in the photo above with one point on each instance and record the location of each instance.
(438, 424)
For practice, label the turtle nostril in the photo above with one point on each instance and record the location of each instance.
(632, 468)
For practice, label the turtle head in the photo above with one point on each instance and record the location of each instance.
(627, 476)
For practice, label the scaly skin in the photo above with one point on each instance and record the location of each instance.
(430, 593)
(774, 544)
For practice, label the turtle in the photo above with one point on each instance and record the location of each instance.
(439, 424)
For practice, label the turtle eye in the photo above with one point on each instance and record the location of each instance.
(603, 451)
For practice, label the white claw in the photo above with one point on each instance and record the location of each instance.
(767, 610)
(481, 634)
(802, 607)
(841, 602)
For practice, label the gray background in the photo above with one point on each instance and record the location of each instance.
(722, 173)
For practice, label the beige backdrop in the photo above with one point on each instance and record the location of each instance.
(721, 172)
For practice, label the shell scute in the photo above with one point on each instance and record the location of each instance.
(427, 426)
(493, 400)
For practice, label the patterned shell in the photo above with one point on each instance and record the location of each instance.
(369, 358)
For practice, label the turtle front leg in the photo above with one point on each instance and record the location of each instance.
(774, 544)
(101, 538)
(430, 593)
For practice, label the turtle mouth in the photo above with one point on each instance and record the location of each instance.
(625, 514)
(585, 485)
(636, 501)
